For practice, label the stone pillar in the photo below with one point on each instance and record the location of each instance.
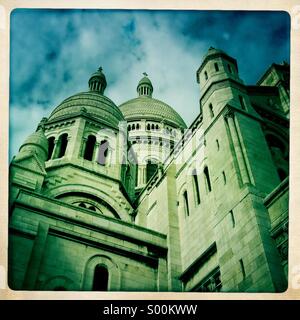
(55, 149)
(162, 283)
(173, 238)
(240, 157)
(36, 257)
(95, 152)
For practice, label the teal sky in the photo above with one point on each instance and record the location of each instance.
(53, 53)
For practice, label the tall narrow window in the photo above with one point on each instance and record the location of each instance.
(137, 126)
(103, 152)
(242, 268)
(196, 187)
(186, 203)
(232, 218)
(216, 67)
(151, 167)
(229, 68)
(148, 126)
(133, 127)
(89, 148)
(207, 179)
(63, 141)
(50, 147)
(100, 282)
(218, 145)
(242, 102)
(224, 177)
(205, 75)
(211, 110)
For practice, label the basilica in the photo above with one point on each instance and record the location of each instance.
(128, 198)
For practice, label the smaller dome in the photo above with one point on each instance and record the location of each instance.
(36, 143)
(97, 81)
(145, 87)
(145, 80)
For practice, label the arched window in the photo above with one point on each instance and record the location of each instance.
(152, 126)
(137, 126)
(205, 75)
(186, 203)
(62, 144)
(129, 127)
(92, 208)
(82, 205)
(101, 276)
(156, 127)
(148, 126)
(103, 152)
(89, 148)
(196, 187)
(133, 127)
(211, 110)
(150, 169)
(50, 147)
(207, 179)
(216, 67)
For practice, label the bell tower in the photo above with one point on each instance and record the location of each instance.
(219, 81)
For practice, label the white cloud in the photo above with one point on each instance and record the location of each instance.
(54, 53)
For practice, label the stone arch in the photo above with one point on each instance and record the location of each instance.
(61, 145)
(114, 278)
(89, 196)
(100, 195)
(59, 283)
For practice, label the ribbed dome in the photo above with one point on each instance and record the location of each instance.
(91, 102)
(37, 144)
(37, 139)
(145, 80)
(145, 107)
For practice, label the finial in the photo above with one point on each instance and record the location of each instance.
(97, 82)
(145, 74)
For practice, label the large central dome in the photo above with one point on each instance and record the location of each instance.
(93, 103)
(146, 107)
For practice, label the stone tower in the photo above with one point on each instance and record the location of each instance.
(153, 129)
(99, 204)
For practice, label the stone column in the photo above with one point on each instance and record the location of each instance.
(95, 152)
(36, 257)
(229, 117)
(56, 149)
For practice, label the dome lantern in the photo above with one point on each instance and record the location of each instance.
(145, 87)
(97, 82)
